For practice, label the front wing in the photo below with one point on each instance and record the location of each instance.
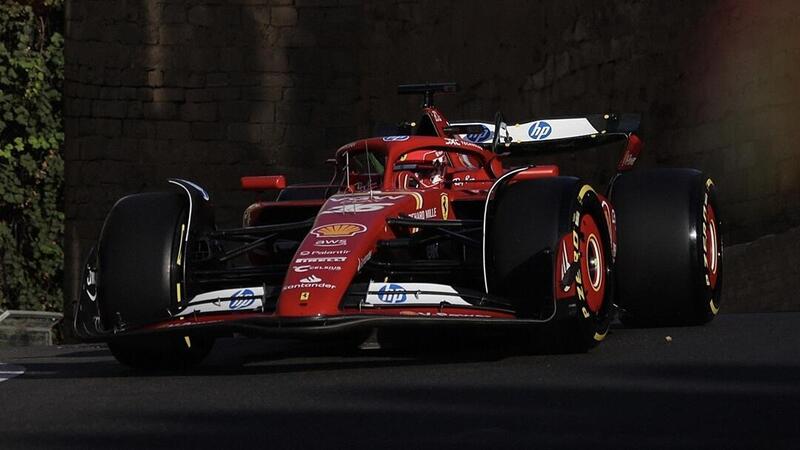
(251, 311)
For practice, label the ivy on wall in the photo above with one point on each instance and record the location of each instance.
(31, 166)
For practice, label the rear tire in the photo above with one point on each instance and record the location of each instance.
(524, 240)
(669, 255)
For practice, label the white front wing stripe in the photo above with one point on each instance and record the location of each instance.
(226, 300)
(400, 293)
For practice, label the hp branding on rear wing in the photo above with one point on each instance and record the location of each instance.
(547, 130)
(554, 135)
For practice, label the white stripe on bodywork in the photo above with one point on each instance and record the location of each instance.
(9, 371)
(185, 242)
(376, 195)
(191, 206)
(219, 301)
(401, 293)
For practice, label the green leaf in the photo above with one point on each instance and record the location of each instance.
(31, 168)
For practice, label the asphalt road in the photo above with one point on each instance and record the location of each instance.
(732, 384)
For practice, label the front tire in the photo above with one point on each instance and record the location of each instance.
(139, 266)
(137, 259)
(535, 223)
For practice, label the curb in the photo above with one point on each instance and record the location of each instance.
(21, 328)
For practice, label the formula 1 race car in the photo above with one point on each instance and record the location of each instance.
(425, 227)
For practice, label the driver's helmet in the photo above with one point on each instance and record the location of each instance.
(424, 175)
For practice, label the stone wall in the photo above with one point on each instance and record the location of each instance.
(206, 90)
(211, 90)
(763, 275)
(718, 82)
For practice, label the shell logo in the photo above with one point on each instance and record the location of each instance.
(339, 230)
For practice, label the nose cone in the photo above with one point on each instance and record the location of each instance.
(342, 240)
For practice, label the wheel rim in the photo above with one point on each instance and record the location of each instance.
(711, 247)
(593, 263)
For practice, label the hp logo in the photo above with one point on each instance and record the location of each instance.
(393, 293)
(395, 138)
(482, 136)
(241, 299)
(540, 130)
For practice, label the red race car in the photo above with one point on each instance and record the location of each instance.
(424, 227)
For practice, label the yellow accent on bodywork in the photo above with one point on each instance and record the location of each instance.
(180, 245)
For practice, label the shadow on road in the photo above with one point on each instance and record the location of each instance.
(242, 356)
(647, 407)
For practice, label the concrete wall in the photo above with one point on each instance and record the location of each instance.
(212, 90)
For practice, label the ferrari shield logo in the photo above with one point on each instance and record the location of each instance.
(445, 206)
(304, 296)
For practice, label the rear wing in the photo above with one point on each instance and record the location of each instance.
(557, 134)
(545, 132)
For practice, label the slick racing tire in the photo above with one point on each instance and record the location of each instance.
(168, 352)
(530, 221)
(669, 255)
(137, 270)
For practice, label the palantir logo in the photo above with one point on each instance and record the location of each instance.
(482, 136)
(540, 130)
(242, 299)
(392, 293)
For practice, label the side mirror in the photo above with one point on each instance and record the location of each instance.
(263, 183)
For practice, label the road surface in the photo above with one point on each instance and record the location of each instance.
(732, 384)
